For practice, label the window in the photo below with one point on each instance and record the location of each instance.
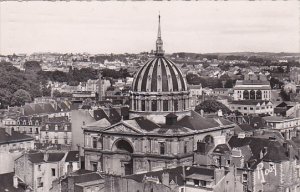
(66, 141)
(39, 182)
(175, 105)
(245, 177)
(56, 127)
(162, 148)
(185, 147)
(94, 166)
(66, 127)
(53, 172)
(245, 108)
(56, 141)
(154, 105)
(228, 162)
(196, 182)
(36, 130)
(39, 167)
(47, 127)
(94, 142)
(251, 108)
(30, 130)
(239, 107)
(165, 105)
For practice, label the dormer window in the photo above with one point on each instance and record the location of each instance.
(56, 127)
(47, 127)
(24, 122)
(66, 127)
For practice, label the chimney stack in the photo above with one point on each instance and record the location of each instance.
(166, 178)
(8, 130)
(46, 156)
(15, 181)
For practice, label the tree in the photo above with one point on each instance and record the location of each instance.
(5, 96)
(32, 66)
(20, 97)
(212, 106)
(285, 96)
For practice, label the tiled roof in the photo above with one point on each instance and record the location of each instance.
(13, 138)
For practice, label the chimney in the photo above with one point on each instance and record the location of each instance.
(166, 178)
(8, 130)
(15, 181)
(46, 156)
(219, 173)
(201, 112)
(171, 119)
(220, 113)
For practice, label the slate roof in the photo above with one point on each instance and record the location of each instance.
(146, 124)
(73, 156)
(6, 183)
(176, 174)
(38, 157)
(58, 119)
(275, 150)
(13, 138)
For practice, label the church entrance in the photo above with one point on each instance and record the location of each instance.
(125, 151)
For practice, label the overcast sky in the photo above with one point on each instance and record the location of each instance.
(131, 27)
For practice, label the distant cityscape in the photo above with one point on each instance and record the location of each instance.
(150, 122)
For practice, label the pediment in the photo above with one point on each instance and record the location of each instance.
(122, 128)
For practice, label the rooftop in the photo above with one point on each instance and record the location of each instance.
(14, 137)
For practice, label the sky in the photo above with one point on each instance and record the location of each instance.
(131, 27)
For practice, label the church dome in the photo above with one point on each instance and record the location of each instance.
(159, 88)
(159, 75)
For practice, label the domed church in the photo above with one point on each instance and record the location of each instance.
(162, 131)
(159, 88)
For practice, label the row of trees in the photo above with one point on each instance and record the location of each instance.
(211, 82)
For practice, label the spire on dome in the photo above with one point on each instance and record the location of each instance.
(159, 31)
(159, 42)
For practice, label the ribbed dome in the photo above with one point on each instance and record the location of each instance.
(159, 75)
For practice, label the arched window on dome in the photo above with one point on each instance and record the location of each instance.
(143, 105)
(165, 105)
(176, 105)
(154, 105)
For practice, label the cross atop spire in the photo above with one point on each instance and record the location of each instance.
(159, 42)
